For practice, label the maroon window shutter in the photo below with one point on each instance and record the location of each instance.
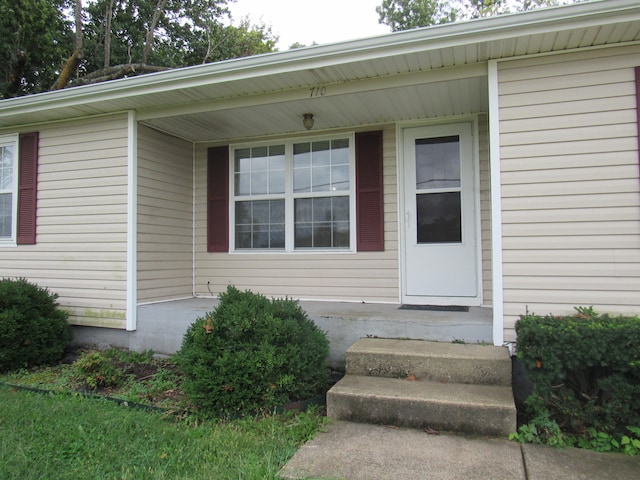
(638, 109)
(218, 199)
(27, 188)
(369, 192)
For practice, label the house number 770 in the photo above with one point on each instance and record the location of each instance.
(318, 91)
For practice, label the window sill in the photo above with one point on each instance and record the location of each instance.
(317, 251)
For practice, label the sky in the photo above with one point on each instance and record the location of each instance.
(305, 21)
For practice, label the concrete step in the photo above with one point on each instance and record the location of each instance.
(438, 361)
(477, 409)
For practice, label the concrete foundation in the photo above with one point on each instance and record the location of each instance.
(161, 326)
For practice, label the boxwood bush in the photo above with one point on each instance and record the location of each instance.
(33, 329)
(252, 353)
(585, 370)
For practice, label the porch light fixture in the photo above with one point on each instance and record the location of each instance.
(307, 120)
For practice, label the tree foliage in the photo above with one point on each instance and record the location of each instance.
(119, 38)
(408, 14)
(36, 38)
(167, 33)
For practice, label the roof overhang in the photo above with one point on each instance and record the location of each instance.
(365, 81)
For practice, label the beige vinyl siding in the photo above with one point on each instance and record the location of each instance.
(364, 276)
(165, 219)
(485, 208)
(570, 186)
(81, 221)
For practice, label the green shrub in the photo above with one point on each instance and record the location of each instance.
(252, 353)
(33, 329)
(585, 370)
(97, 370)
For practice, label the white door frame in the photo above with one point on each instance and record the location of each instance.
(400, 133)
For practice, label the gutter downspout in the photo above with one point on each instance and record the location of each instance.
(496, 205)
(132, 221)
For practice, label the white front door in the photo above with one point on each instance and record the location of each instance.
(440, 248)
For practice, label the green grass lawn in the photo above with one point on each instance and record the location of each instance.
(58, 437)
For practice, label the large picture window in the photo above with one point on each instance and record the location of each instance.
(296, 195)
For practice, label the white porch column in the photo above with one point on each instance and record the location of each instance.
(496, 205)
(132, 221)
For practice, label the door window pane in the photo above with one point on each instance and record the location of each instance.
(439, 218)
(438, 162)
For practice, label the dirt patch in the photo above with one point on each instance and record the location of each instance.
(140, 371)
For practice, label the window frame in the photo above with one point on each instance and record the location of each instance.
(290, 196)
(14, 141)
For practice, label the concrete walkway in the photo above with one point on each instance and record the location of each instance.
(352, 451)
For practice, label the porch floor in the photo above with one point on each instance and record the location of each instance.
(161, 326)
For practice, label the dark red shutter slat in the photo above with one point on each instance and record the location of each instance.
(369, 192)
(218, 199)
(27, 188)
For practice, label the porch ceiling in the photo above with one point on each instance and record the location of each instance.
(350, 109)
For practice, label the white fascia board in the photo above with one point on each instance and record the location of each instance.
(398, 43)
